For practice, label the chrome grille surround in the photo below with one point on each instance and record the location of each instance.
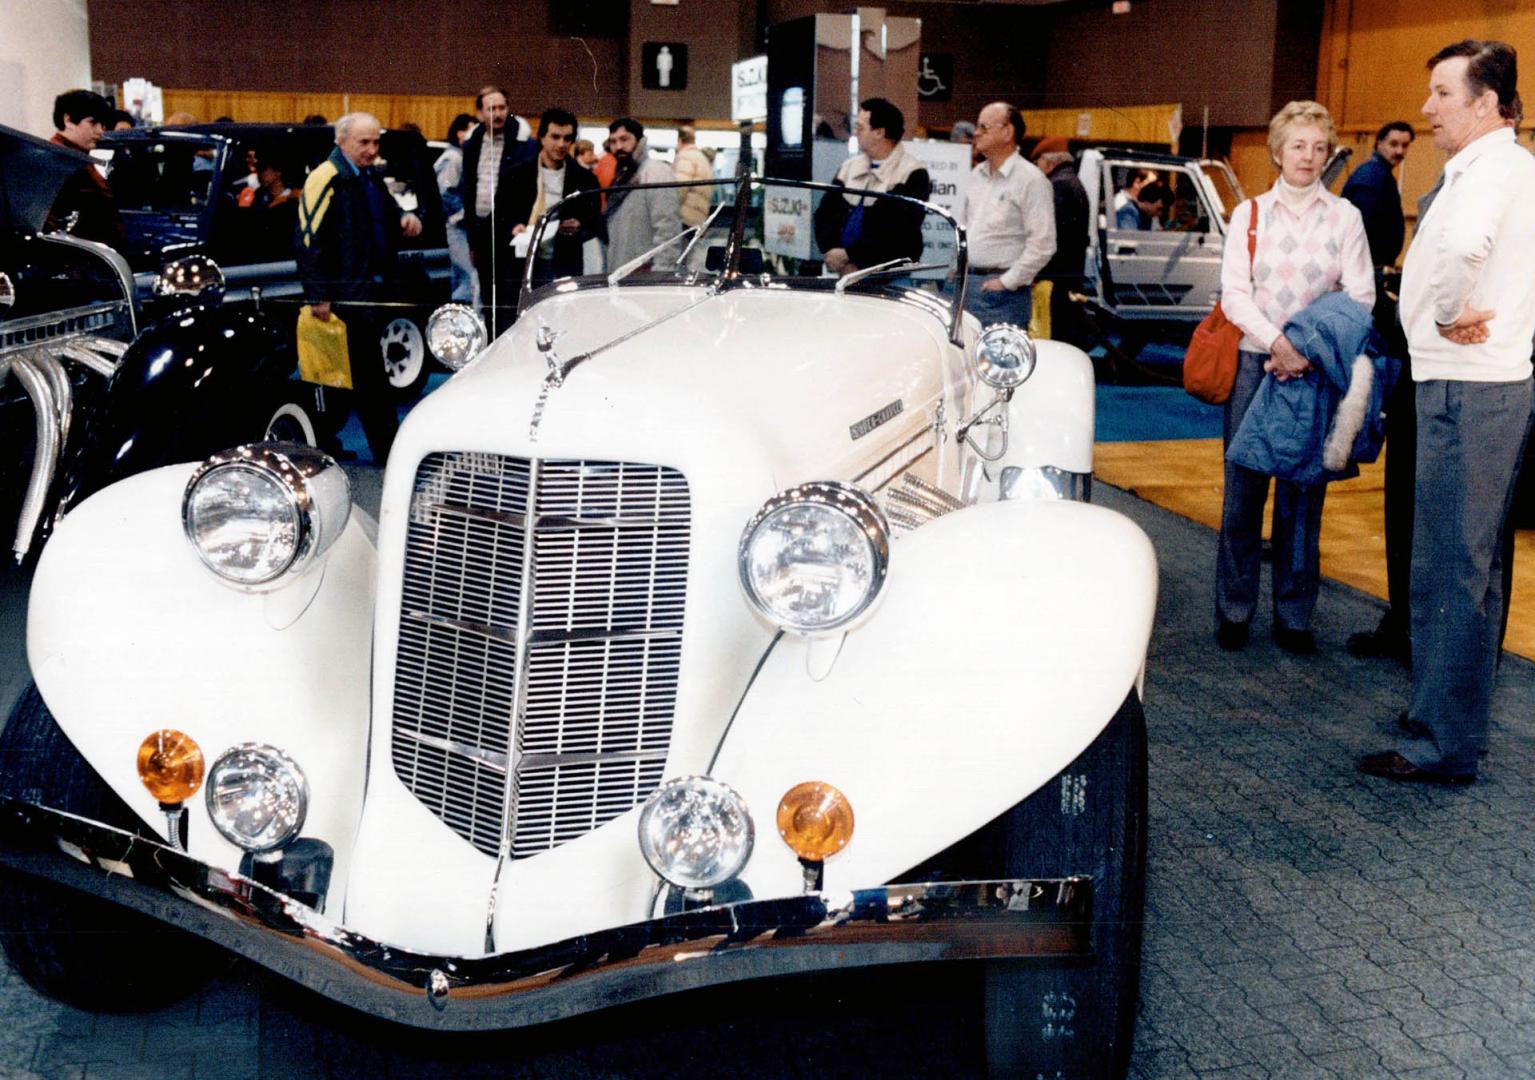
(537, 670)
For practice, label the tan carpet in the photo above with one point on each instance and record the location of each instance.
(1185, 477)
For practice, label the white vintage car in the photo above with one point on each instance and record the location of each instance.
(719, 622)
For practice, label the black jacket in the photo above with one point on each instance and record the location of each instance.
(514, 205)
(1070, 225)
(891, 228)
(1373, 189)
(512, 155)
(345, 253)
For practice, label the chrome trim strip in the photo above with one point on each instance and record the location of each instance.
(546, 761)
(488, 758)
(926, 922)
(541, 638)
(1075, 486)
(35, 330)
(924, 433)
(45, 456)
(116, 261)
(519, 706)
(543, 522)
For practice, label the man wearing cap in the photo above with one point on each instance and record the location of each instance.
(1064, 270)
(1009, 215)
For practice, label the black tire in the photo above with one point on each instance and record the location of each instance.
(1077, 1020)
(293, 417)
(402, 344)
(78, 949)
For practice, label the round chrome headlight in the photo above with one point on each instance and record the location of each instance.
(257, 797)
(695, 832)
(195, 277)
(257, 513)
(455, 333)
(814, 558)
(1005, 356)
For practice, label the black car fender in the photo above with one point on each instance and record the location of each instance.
(197, 380)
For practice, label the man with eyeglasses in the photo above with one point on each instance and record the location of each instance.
(857, 232)
(1008, 212)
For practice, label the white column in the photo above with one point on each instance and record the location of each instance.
(45, 49)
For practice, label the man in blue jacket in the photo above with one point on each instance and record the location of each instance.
(349, 229)
(1373, 189)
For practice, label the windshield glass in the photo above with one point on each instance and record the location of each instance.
(765, 233)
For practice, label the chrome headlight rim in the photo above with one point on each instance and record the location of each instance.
(999, 377)
(723, 796)
(458, 326)
(194, 277)
(281, 765)
(854, 503)
(318, 495)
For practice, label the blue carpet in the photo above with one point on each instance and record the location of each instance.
(1150, 413)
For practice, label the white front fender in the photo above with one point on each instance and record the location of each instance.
(1009, 635)
(1051, 417)
(129, 633)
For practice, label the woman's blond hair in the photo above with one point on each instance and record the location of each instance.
(1300, 114)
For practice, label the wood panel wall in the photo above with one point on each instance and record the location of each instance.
(431, 113)
(1130, 123)
(1371, 71)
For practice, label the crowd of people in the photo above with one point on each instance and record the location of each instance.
(1304, 277)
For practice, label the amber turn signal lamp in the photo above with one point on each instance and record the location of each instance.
(815, 820)
(171, 766)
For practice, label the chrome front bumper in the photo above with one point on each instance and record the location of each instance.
(754, 939)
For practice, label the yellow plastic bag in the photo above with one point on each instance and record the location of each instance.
(322, 353)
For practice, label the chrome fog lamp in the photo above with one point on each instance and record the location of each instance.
(695, 832)
(455, 333)
(1004, 356)
(194, 277)
(814, 558)
(257, 797)
(259, 512)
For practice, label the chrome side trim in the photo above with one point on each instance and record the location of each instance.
(1045, 481)
(755, 939)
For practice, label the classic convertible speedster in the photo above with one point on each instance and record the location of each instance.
(722, 620)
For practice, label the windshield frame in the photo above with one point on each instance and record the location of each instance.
(731, 276)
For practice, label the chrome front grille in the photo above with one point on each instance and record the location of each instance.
(535, 685)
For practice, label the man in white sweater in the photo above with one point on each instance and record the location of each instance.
(1468, 306)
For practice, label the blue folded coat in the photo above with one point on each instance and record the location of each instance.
(1316, 428)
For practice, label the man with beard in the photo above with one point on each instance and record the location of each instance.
(538, 184)
(80, 117)
(490, 154)
(639, 220)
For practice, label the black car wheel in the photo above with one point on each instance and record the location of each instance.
(80, 950)
(405, 361)
(293, 417)
(1078, 1020)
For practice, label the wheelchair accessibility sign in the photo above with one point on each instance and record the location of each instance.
(935, 76)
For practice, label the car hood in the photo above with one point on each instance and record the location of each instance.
(32, 171)
(786, 376)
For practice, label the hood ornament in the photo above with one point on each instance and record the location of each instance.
(7, 291)
(547, 336)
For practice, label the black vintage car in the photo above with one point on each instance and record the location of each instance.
(95, 386)
(190, 191)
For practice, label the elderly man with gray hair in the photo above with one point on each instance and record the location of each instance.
(349, 231)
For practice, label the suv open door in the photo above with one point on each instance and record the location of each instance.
(1171, 271)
